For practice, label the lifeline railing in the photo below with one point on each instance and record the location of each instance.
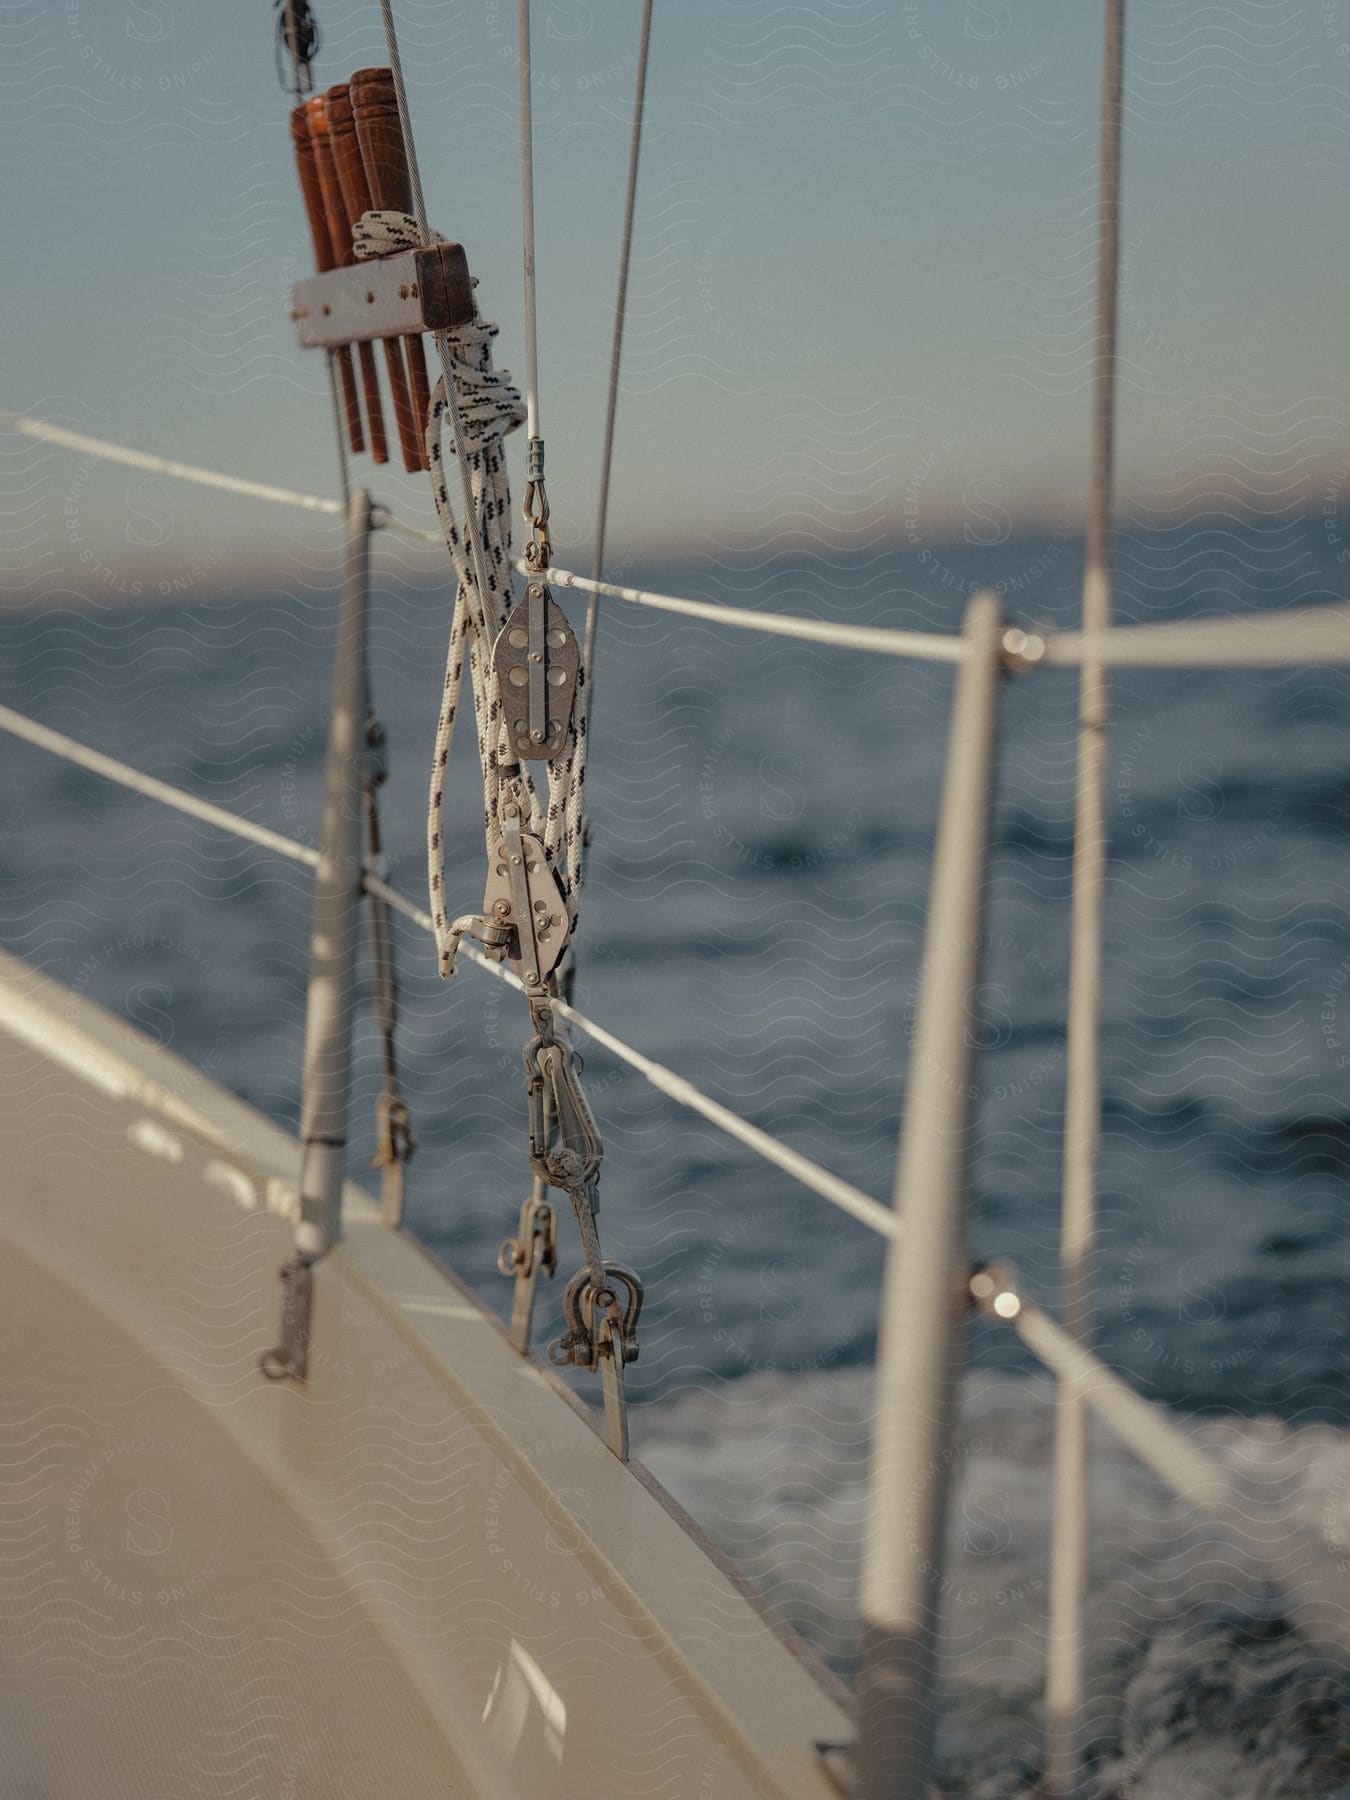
(929, 1286)
(929, 1283)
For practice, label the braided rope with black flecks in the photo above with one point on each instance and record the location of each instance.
(490, 407)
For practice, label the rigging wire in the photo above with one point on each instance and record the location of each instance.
(1315, 635)
(928, 646)
(527, 223)
(616, 345)
(56, 743)
(164, 465)
(1065, 1686)
(534, 502)
(830, 1187)
(339, 428)
(480, 604)
(833, 1188)
(924, 646)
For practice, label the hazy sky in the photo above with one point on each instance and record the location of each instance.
(863, 271)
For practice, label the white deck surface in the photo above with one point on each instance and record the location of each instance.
(420, 1574)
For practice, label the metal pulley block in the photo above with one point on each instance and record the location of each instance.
(523, 895)
(538, 662)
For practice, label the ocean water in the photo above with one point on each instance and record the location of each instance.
(763, 816)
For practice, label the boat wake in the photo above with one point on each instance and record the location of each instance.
(1211, 1676)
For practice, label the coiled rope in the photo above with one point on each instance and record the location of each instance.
(489, 407)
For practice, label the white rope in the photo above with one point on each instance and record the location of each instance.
(162, 465)
(842, 1194)
(1266, 640)
(830, 1187)
(1137, 1422)
(446, 395)
(482, 408)
(1310, 635)
(153, 789)
(489, 407)
(925, 646)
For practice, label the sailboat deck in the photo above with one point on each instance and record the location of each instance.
(423, 1561)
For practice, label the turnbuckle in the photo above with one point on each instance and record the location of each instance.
(602, 1334)
(554, 1092)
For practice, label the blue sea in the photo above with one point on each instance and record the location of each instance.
(763, 817)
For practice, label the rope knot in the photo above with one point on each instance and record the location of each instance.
(387, 233)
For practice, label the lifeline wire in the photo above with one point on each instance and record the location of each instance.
(831, 1187)
(1266, 639)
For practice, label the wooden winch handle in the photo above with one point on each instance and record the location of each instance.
(340, 237)
(375, 109)
(324, 259)
(356, 197)
(379, 132)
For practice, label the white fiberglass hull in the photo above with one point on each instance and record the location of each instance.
(421, 1573)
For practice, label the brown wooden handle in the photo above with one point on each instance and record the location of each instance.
(346, 153)
(330, 188)
(324, 259)
(375, 113)
(340, 237)
(311, 191)
(356, 199)
(375, 108)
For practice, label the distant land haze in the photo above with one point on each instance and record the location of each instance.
(863, 278)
